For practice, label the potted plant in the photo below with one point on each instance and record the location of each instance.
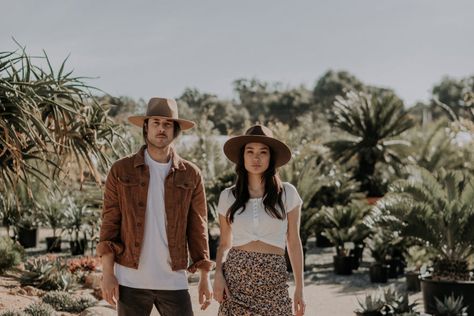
(53, 216)
(27, 228)
(438, 210)
(347, 225)
(76, 218)
(9, 213)
(417, 257)
(378, 270)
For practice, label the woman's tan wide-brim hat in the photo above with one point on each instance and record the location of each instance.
(164, 108)
(257, 134)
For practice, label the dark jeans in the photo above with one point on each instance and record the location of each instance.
(138, 302)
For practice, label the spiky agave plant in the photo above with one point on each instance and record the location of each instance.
(438, 210)
(451, 306)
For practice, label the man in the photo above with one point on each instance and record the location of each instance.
(154, 213)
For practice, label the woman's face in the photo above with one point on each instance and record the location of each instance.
(256, 158)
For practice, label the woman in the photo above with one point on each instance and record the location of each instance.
(258, 216)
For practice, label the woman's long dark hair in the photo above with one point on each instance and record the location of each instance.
(271, 196)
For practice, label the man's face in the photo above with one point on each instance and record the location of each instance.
(160, 132)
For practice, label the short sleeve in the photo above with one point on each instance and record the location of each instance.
(225, 201)
(291, 197)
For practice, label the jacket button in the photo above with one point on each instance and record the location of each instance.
(137, 244)
(139, 224)
(143, 184)
(140, 204)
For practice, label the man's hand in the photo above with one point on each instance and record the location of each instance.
(110, 288)
(204, 290)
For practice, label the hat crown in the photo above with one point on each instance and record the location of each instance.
(162, 107)
(259, 130)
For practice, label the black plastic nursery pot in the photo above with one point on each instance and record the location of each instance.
(78, 247)
(53, 244)
(28, 237)
(413, 281)
(368, 313)
(441, 289)
(343, 265)
(378, 273)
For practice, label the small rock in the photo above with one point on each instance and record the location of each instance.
(99, 311)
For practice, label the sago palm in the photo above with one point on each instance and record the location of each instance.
(372, 126)
(437, 210)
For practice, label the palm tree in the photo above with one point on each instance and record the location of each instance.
(47, 120)
(372, 126)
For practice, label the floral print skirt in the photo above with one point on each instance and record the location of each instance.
(257, 284)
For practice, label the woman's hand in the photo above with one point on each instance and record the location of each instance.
(221, 292)
(298, 302)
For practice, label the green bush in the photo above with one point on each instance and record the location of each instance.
(39, 309)
(64, 301)
(11, 253)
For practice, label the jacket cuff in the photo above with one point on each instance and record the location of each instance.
(204, 264)
(106, 246)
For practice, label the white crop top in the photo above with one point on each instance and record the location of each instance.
(255, 223)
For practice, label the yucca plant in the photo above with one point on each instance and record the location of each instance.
(49, 118)
(438, 211)
(372, 126)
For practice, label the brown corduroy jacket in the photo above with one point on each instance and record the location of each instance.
(123, 213)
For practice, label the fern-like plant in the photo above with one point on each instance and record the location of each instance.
(437, 210)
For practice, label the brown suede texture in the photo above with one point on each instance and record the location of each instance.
(123, 213)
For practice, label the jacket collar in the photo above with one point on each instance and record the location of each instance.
(177, 163)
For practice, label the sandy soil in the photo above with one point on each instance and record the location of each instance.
(326, 294)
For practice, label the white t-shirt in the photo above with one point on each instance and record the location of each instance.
(255, 223)
(154, 269)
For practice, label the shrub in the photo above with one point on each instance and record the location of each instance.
(11, 253)
(11, 312)
(39, 309)
(48, 274)
(64, 301)
(84, 264)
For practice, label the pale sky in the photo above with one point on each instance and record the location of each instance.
(158, 48)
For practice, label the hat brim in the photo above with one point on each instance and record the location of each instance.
(140, 119)
(233, 146)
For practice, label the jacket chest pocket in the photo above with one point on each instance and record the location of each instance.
(129, 188)
(182, 193)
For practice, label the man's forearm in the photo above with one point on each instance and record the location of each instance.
(108, 264)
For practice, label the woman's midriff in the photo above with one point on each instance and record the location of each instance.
(261, 247)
